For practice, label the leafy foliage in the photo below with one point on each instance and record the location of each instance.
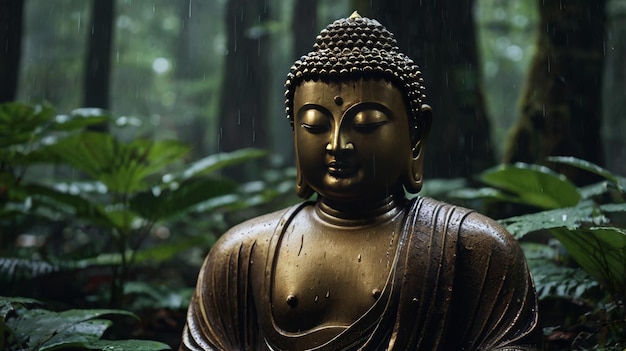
(82, 209)
(40, 329)
(525, 184)
(587, 222)
(124, 188)
(551, 277)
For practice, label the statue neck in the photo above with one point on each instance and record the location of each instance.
(353, 214)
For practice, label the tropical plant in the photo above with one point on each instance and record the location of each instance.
(23, 327)
(123, 188)
(589, 222)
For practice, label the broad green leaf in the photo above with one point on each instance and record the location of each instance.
(162, 204)
(215, 162)
(38, 326)
(8, 303)
(20, 123)
(600, 251)
(80, 118)
(590, 167)
(122, 167)
(571, 218)
(483, 193)
(77, 335)
(126, 345)
(533, 185)
(596, 189)
(613, 207)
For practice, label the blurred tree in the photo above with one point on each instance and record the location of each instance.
(304, 26)
(614, 89)
(561, 104)
(53, 52)
(243, 119)
(439, 36)
(98, 59)
(506, 33)
(11, 14)
(187, 68)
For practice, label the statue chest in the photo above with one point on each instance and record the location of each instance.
(328, 276)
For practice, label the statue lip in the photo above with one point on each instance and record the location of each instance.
(339, 169)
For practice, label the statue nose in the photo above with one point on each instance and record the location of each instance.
(339, 144)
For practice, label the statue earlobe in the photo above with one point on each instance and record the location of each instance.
(303, 189)
(415, 168)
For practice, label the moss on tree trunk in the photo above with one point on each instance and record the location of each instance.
(561, 105)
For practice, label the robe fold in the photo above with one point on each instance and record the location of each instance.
(459, 282)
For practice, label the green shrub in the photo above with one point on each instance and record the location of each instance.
(589, 224)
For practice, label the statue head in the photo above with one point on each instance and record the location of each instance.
(359, 99)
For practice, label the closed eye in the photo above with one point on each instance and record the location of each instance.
(368, 127)
(314, 128)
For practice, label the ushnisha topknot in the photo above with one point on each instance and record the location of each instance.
(352, 48)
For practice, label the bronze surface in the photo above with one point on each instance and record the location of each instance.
(362, 267)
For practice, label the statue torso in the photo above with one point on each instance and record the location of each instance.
(328, 276)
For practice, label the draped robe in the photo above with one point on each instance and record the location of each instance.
(459, 282)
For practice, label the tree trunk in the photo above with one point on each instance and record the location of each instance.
(439, 36)
(98, 63)
(192, 127)
(11, 16)
(614, 90)
(244, 105)
(304, 26)
(245, 87)
(561, 102)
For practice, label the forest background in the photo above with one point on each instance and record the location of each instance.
(509, 81)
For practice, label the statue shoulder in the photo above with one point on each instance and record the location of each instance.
(480, 232)
(254, 231)
(473, 231)
(248, 232)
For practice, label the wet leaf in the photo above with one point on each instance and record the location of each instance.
(76, 335)
(571, 218)
(552, 278)
(162, 204)
(125, 345)
(46, 330)
(590, 167)
(600, 251)
(533, 185)
(80, 118)
(483, 193)
(121, 167)
(215, 162)
(20, 123)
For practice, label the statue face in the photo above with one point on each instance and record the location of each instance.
(352, 138)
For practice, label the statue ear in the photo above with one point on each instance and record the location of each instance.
(303, 189)
(415, 167)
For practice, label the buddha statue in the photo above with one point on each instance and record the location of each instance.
(362, 267)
